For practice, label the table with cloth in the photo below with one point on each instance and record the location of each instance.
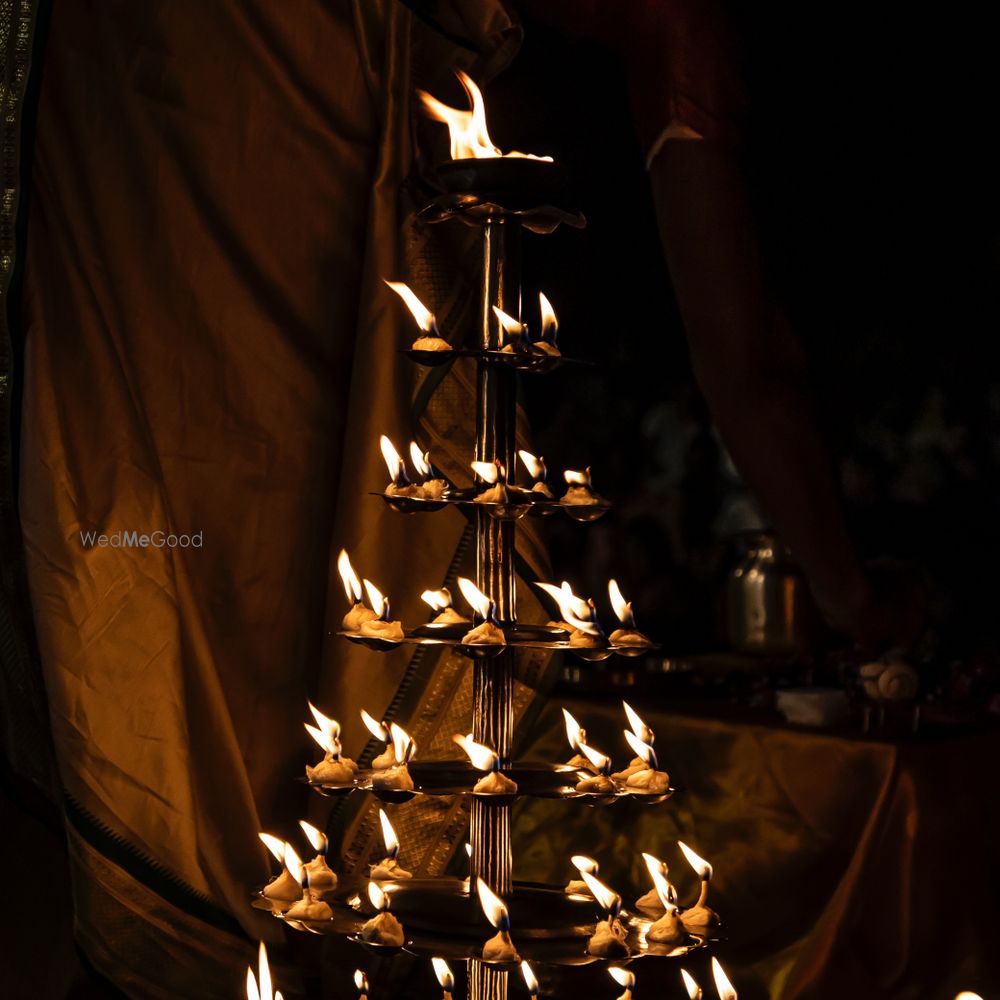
(845, 866)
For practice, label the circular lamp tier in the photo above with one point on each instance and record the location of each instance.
(440, 918)
(535, 193)
(458, 777)
(520, 502)
(534, 363)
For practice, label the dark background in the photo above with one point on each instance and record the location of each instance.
(874, 176)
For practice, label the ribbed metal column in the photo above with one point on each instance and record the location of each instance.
(493, 682)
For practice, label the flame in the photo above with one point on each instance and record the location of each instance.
(482, 757)
(468, 849)
(968, 995)
(663, 888)
(477, 600)
(393, 462)
(639, 727)
(329, 726)
(576, 478)
(529, 978)
(604, 895)
(274, 844)
(403, 746)
(550, 324)
(642, 750)
(378, 601)
(424, 317)
(443, 973)
(438, 600)
(293, 862)
(352, 585)
(570, 606)
(622, 608)
(421, 460)
(493, 906)
(623, 977)
(328, 743)
(584, 864)
(488, 472)
(602, 763)
(315, 837)
(692, 987)
(379, 899)
(722, 983)
(252, 991)
(700, 865)
(510, 326)
(361, 982)
(535, 466)
(575, 733)
(389, 835)
(374, 727)
(654, 864)
(264, 973)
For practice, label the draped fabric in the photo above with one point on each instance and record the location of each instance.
(843, 866)
(217, 192)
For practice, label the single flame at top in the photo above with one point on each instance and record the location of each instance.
(263, 992)
(361, 983)
(691, 985)
(393, 462)
(424, 317)
(315, 837)
(389, 836)
(576, 735)
(622, 608)
(574, 610)
(642, 750)
(639, 727)
(510, 326)
(700, 865)
(421, 460)
(329, 726)
(623, 977)
(602, 763)
(438, 600)
(550, 324)
(654, 864)
(722, 983)
(468, 849)
(379, 899)
(482, 757)
(275, 845)
(443, 973)
(606, 896)
(663, 888)
(352, 585)
(584, 864)
(477, 600)
(293, 862)
(576, 478)
(535, 466)
(374, 727)
(404, 747)
(378, 601)
(489, 472)
(467, 129)
(493, 906)
(527, 973)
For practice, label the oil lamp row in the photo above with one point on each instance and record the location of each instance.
(492, 489)
(478, 635)
(395, 775)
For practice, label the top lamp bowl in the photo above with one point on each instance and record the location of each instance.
(510, 182)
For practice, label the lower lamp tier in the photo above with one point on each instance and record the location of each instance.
(457, 777)
(439, 918)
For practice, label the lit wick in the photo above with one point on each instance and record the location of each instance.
(576, 736)
(582, 864)
(600, 781)
(396, 776)
(383, 928)
(485, 759)
(692, 987)
(360, 612)
(433, 484)
(320, 876)
(528, 975)
(499, 948)
(579, 488)
(360, 983)
(516, 333)
(388, 868)
(579, 617)
(722, 984)
(608, 939)
(546, 344)
(444, 977)
(440, 601)
(488, 632)
(628, 634)
(649, 779)
(651, 900)
(494, 476)
(430, 338)
(623, 977)
(263, 990)
(381, 626)
(538, 472)
(700, 915)
(285, 889)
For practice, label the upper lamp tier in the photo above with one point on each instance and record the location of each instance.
(481, 183)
